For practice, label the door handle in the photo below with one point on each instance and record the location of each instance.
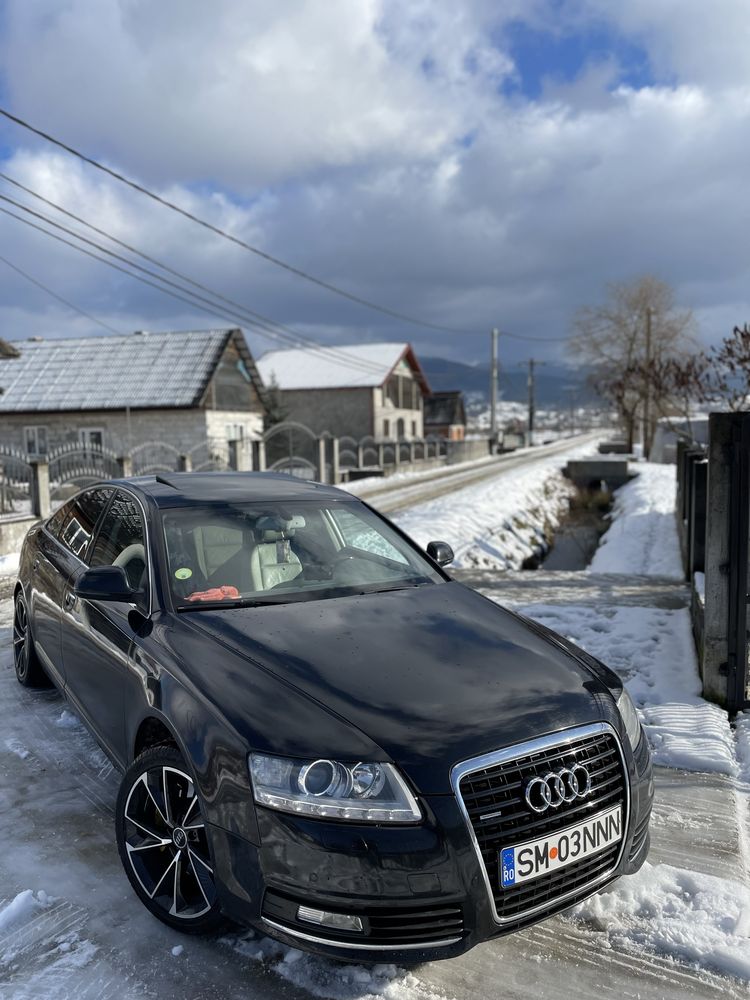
(69, 600)
(36, 563)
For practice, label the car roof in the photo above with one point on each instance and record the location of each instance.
(177, 489)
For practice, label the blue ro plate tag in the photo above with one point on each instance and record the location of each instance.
(558, 850)
(508, 867)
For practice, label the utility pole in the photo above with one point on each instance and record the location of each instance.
(493, 385)
(531, 383)
(647, 395)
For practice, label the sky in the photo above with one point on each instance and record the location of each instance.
(486, 163)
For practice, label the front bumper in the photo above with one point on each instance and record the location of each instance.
(420, 891)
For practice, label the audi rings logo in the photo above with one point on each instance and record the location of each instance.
(553, 789)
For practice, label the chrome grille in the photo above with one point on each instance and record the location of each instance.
(491, 791)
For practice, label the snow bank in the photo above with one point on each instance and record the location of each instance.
(652, 650)
(701, 919)
(501, 522)
(642, 539)
(21, 909)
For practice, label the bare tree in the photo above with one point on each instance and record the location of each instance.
(637, 326)
(732, 362)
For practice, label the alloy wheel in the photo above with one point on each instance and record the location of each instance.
(21, 644)
(166, 843)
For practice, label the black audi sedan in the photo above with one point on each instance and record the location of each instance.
(322, 735)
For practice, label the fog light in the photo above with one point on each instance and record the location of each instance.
(339, 921)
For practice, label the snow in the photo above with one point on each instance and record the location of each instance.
(9, 564)
(701, 919)
(699, 586)
(330, 367)
(652, 650)
(641, 539)
(21, 909)
(500, 522)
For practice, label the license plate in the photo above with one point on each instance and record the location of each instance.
(558, 850)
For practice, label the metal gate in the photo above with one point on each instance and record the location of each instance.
(738, 670)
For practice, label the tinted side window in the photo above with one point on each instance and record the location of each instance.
(74, 523)
(121, 540)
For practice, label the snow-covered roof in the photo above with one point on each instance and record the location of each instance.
(348, 367)
(112, 372)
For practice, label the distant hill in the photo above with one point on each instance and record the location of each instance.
(554, 383)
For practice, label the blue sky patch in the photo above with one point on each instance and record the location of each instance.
(562, 57)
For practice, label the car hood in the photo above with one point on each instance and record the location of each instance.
(433, 675)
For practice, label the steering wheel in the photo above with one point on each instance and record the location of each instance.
(128, 555)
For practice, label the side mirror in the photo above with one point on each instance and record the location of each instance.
(105, 583)
(441, 552)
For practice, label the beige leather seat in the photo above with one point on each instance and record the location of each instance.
(272, 561)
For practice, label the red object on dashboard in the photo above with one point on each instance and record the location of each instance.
(215, 594)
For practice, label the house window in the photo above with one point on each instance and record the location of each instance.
(414, 428)
(235, 432)
(414, 396)
(36, 440)
(400, 430)
(91, 438)
(386, 428)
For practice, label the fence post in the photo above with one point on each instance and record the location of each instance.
(125, 466)
(412, 452)
(335, 469)
(185, 463)
(40, 498)
(360, 455)
(244, 455)
(715, 642)
(397, 452)
(697, 526)
(321, 459)
(261, 455)
(381, 455)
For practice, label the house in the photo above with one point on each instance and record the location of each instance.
(178, 389)
(445, 415)
(374, 390)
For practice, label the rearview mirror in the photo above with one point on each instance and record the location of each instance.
(105, 583)
(441, 552)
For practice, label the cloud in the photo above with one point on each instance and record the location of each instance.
(375, 145)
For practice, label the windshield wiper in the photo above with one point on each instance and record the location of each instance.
(243, 602)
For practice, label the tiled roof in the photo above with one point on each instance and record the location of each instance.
(347, 367)
(111, 372)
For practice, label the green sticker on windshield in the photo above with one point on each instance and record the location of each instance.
(183, 573)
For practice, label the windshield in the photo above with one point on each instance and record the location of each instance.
(269, 553)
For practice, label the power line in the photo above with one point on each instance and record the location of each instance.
(261, 326)
(223, 233)
(331, 353)
(59, 298)
(404, 317)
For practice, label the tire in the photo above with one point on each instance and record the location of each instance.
(163, 842)
(29, 670)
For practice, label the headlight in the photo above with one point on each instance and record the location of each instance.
(363, 792)
(630, 718)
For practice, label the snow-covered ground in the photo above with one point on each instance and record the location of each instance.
(501, 522)
(642, 538)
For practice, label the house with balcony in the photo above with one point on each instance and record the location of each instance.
(375, 390)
